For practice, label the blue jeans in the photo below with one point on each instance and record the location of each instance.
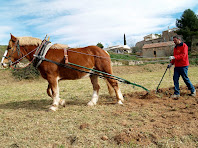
(182, 71)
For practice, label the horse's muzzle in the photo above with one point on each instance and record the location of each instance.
(5, 65)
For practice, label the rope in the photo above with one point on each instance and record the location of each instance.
(116, 58)
(87, 54)
(24, 57)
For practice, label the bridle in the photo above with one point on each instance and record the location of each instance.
(12, 52)
(18, 50)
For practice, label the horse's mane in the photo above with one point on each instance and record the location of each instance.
(29, 41)
(59, 46)
(35, 41)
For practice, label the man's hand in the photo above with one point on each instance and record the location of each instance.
(171, 57)
(170, 65)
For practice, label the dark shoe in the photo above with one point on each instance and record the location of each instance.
(193, 94)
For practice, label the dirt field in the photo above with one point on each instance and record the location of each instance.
(151, 120)
(160, 117)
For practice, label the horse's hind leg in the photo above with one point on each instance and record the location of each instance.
(96, 87)
(110, 88)
(118, 93)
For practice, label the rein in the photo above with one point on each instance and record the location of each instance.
(21, 59)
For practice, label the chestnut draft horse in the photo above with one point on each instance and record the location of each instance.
(19, 47)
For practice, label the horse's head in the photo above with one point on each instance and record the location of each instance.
(12, 53)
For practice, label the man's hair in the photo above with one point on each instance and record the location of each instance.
(176, 36)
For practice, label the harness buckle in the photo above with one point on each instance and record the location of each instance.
(65, 56)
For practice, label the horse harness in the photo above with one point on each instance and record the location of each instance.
(42, 51)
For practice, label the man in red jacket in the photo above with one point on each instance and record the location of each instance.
(181, 62)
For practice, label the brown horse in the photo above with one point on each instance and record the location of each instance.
(18, 47)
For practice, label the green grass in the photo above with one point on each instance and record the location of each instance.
(123, 56)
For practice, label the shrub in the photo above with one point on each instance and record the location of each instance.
(194, 61)
(100, 45)
(29, 72)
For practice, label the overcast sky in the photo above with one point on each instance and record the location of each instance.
(86, 22)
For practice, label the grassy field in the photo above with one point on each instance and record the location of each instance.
(26, 122)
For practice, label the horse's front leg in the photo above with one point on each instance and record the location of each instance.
(49, 92)
(53, 84)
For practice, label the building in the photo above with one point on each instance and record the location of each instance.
(120, 49)
(158, 46)
(161, 49)
(151, 37)
(169, 34)
(166, 36)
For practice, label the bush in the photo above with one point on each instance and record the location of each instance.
(194, 61)
(100, 45)
(29, 72)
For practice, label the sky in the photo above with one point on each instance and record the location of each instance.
(80, 23)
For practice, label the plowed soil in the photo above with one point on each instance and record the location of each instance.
(162, 117)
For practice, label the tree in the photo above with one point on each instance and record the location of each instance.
(188, 26)
(100, 45)
(124, 40)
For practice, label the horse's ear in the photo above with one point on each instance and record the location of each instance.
(13, 37)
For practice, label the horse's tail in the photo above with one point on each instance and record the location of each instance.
(110, 88)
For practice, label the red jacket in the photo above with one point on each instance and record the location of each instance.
(181, 55)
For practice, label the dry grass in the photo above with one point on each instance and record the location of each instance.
(26, 122)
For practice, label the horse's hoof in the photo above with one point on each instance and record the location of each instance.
(62, 103)
(120, 102)
(53, 108)
(91, 103)
(122, 99)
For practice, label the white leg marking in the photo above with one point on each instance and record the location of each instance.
(94, 99)
(120, 95)
(120, 102)
(56, 98)
(53, 108)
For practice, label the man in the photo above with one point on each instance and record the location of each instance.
(181, 62)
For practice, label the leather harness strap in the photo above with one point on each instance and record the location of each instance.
(65, 56)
